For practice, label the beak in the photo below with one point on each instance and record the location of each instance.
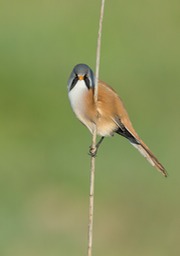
(81, 77)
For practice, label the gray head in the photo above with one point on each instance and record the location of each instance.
(81, 72)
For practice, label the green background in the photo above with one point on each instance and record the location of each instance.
(44, 165)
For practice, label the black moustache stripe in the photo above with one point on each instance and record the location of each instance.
(74, 81)
(87, 82)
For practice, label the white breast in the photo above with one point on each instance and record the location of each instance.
(77, 100)
(76, 97)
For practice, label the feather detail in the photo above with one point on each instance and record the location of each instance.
(145, 151)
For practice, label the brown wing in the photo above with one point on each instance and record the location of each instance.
(112, 105)
(115, 109)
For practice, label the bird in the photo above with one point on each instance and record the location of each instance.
(107, 115)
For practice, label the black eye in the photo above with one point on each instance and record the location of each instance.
(74, 81)
(87, 81)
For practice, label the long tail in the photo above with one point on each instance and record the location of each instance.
(134, 139)
(145, 151)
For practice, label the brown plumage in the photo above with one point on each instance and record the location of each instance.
(108, 113)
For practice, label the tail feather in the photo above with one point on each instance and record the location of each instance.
(145, 151)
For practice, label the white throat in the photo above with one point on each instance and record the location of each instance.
(76, 97)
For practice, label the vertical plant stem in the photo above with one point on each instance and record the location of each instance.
(91, 204)
(92, 168)
(98, 51)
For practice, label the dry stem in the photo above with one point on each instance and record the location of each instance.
(92, 171)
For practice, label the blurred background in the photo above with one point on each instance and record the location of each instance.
(44, 162)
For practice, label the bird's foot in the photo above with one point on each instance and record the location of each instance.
(92, 151)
